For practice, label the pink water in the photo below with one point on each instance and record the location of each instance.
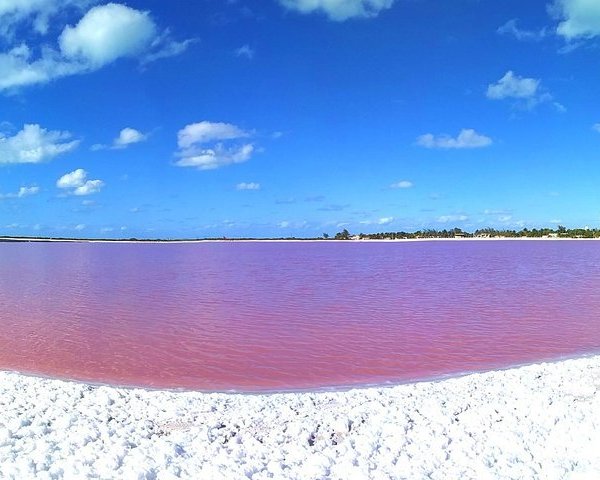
(273, 316)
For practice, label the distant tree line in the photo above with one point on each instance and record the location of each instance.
(559, 232)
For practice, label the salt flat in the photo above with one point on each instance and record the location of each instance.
(538, 421)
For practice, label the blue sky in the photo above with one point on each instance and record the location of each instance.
(296, 117)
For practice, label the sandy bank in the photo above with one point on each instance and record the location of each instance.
(540, 421)
(290, 240)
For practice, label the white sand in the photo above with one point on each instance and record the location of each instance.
(540, 421)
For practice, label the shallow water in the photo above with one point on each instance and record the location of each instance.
(271, 316)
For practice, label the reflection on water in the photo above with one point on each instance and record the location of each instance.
(265, 316)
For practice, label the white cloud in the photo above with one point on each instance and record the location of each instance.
(490, 211)
(23, 192)
(72, 180)
(339, 10)
(78, 184)
(27, 191)
(379, 221)
(245, 51)
(452, 218)
(128, 136)
(217, 157)
(106, 33)
(580, 18)
(248, 186)
(37, 12)
(207, 132)
(467, 138)
(596, 127)
(527, 92)
(513, 86)
(34, 144)
(165, 47)
(79, 227)
(284, 224)
(211, 145)
(17, 68)
(402, 184)
(89, 187)
(103, 35)
(511, 28)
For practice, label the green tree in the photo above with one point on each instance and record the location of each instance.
(343, 235)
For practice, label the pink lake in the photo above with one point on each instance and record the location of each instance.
(262, 316)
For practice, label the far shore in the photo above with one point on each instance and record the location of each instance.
(284, 240)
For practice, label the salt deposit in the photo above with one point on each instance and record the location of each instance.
(539, 421)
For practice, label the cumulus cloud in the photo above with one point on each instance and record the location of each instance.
(248, 186)
(27, 191)
(89, 187)
(76, 183)
(18, 67)
(526, 92)
(512, 29)
(72, 180)
(23, 192)
(103, 35)
(467, 138)
(402, 184)
(206, 132)
(580, 19)
(34, 144)
(339, 10)
(211, 145)
(213, 158)
(128, 136)
(106, 33)
(513, 86)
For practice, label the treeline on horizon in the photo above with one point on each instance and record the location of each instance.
(559, 232)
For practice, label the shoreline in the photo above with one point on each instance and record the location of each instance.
(291, 240)
(535, 421)
(341, 388)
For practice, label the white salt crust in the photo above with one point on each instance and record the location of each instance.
(540, 421)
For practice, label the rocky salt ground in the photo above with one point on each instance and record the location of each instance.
(540, 421)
